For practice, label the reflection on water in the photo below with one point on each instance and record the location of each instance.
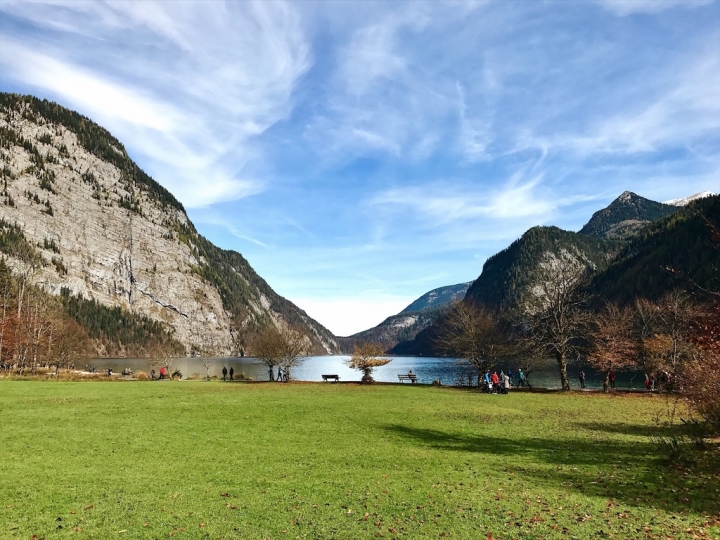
(449, 370)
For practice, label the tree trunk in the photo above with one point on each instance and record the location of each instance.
(606, 382)
(562, 364)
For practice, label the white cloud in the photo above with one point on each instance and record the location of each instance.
(442, 203)
(689, 109)
(186, 85)
(629, 7)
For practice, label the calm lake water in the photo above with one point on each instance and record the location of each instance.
(450, 371)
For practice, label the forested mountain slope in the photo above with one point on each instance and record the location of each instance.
(439, 297)
(677, 251)
(625, 216)
(662, 254)
(506, 274)
(105, 231)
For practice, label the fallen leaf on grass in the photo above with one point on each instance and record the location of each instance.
(89, 507)
(224, 494)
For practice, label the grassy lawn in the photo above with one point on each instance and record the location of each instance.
(197, 460)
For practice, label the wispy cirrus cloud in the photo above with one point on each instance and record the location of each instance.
(629, 7)
(186, 85)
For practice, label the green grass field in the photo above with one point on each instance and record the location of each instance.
(220, 460)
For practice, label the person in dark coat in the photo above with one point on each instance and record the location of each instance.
(232, 372)
(224, 372)
(581, 376)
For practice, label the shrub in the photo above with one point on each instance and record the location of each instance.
(142, 376)
(176, 374)
(700, 385)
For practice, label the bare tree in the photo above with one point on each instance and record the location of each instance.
(280, 347)
(675, 314)
(366, 358)
(70, 341)
(612, 341)
(207, 362)
(554, 309)
(472, 333)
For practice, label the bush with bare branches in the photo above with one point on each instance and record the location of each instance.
(366, 358)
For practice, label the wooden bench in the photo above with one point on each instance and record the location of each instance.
(412, 378)
(327, 377)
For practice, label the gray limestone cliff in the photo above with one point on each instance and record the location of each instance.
(109, 232)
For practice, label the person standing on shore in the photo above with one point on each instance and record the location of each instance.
(521, 377)
(581, 376)
(224, 372)
(612, 379)
(232, 372)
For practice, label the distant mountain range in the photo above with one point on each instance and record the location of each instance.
(634, 263)
(120, 253)
(410, 321)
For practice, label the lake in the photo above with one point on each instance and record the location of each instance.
(450, 371)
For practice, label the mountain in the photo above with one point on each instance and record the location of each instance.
(676, 250)
(410, 321)
(438, 297)
(507, 274)
(685, 200)
(103, 231)
(624, 216)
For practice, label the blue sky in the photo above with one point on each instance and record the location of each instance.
(361, 154)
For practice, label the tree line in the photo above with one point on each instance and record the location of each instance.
(675, 339)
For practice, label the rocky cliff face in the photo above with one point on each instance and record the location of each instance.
(109, 232)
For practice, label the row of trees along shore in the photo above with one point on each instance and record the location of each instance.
(676, 338)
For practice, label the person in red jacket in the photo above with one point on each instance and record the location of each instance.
(495, 379)
(163, 372)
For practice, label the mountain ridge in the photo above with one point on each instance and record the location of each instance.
(107, 231)
(404, 326)
(624, 216)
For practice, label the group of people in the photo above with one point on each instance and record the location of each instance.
(163, 373)
(225, 373)
(652, 384)
(494, 383)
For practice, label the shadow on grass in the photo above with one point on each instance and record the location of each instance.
(636, 473)
(633, 429)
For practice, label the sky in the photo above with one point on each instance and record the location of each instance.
(360, 154)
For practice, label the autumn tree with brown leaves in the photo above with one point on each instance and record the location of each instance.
(613, 347)
(366, 358)
(279, 347)
(555, 309)
(472, 333)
